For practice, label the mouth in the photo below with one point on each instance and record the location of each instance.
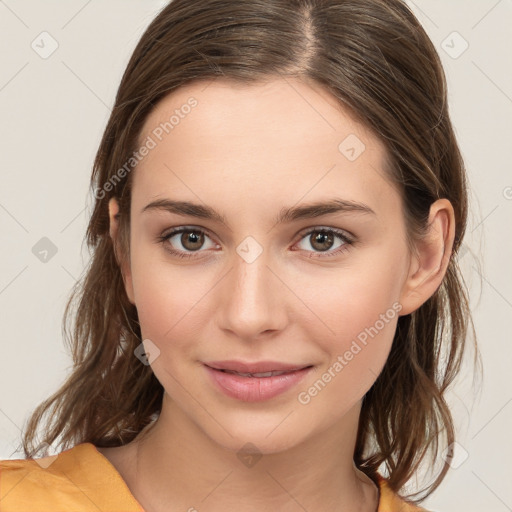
(259, 369)
(261, 374)
(255, 382)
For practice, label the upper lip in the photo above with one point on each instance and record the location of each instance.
(255, 367)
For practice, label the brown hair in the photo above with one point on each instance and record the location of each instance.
(376, 59)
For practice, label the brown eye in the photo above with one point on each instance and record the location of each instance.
(192, 240)
(186, 242)
(322, 240)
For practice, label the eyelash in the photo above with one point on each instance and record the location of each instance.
(347, 242)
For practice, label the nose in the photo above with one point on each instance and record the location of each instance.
(252, 299)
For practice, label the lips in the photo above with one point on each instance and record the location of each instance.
(255, 386)
(256, 369)
(259, 374)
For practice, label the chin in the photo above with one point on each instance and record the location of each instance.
(259, 435)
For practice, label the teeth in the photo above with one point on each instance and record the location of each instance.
(262, 374)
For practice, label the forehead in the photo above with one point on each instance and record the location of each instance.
(282, 135)
(281, 106)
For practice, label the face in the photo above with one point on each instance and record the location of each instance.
(268, 276)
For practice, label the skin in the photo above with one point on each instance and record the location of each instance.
(247, 152)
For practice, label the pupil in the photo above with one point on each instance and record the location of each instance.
(191, 238)
(322, 237)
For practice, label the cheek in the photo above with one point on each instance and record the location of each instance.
(170, 301)
(356, 313)
(356, 345)
(364, 327)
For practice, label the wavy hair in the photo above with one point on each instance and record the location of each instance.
(375, 58)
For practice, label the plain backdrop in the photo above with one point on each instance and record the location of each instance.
(53, 112)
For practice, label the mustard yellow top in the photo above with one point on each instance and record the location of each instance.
(81, 479)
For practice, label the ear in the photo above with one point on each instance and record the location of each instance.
(429, 264)
(113, 212)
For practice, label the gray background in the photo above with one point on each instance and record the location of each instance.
(53, 112)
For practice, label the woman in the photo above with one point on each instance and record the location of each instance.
(279, 203)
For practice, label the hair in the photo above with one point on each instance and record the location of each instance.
(375, 58)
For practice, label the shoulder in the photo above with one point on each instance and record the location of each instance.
(79, 478)
(391, 502)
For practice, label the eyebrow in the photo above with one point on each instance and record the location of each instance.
(287, 214)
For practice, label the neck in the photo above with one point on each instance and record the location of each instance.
(177, 463)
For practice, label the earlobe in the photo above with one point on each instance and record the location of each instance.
(113, 211)
(433, 253)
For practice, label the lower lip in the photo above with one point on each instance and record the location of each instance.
(255, 389)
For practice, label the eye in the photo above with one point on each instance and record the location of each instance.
(323, 240)
(191, 239)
